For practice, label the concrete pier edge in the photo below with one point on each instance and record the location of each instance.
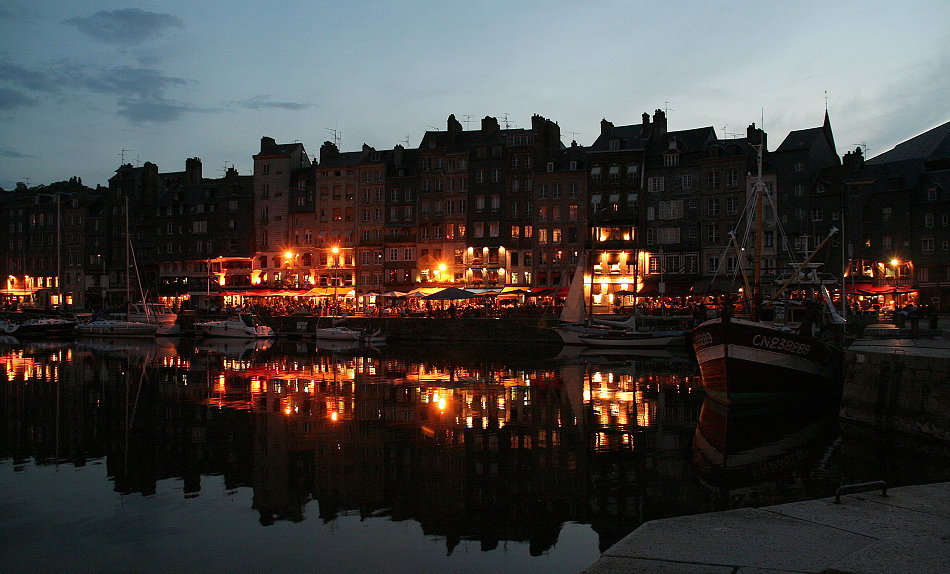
(908, 530)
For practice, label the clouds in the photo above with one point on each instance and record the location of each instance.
(264, 102)
(125, 27)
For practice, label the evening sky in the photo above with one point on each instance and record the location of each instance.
(82, 81)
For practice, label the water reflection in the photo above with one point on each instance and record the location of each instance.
(482, 443)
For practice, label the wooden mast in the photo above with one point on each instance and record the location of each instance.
(757, 277)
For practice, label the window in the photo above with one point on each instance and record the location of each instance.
(712, 207)
(799, 166)
(732, 206)
(927, 245)
(799, 190)
(712, 234)
(671, 160)
(712, 180)
(687, 181)
(732, 178)
(691, 263)
(932, 194)
(655, 184)
(929, 219)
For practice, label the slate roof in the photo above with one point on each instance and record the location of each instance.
(631, 137)
(932, 145)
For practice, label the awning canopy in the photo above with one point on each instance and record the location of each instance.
(870, 289)
(450, 294)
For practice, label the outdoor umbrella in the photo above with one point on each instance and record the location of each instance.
(450, 293)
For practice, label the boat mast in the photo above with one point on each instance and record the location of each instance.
(128, 243)
(757, 277)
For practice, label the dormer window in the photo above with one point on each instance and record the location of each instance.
(550, 166)
(671, 159)
(573, 165)
(613, 145)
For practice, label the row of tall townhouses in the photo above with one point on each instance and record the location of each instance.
(643, 208)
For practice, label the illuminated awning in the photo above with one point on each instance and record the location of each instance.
(21, 292)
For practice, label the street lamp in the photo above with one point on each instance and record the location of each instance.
(336, 301)
(289, 258)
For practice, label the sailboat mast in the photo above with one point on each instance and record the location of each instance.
(128, 240)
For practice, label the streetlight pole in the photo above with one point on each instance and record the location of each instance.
(336, 300)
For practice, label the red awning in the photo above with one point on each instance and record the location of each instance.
(869, 289)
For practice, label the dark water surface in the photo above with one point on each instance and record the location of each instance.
(219, 456)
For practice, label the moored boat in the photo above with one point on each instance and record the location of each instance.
(164, 318)
(37, 327)
(242, 326)
(629, 338)
(743, 360)
(338, 333)
(754, 360)
(116, 328)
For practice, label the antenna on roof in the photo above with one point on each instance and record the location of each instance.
(433, 128)
(337, 136)
(826, 100)
(864, 148)
(667, 109)
(507, 125)
(468, 120)
(122, 155)
(574, 135)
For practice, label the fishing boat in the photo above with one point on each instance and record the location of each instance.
(754, 360)
(240, 326)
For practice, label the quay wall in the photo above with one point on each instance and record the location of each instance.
(894, 388)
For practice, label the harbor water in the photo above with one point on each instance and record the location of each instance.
(224, 456)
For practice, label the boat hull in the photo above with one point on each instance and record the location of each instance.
(39, 328)
(338, 334)
(241, 327)
(111, 328)
(745, 361)
(635, 340)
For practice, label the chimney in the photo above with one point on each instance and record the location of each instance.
(756, 136)
(192, 171)
(328, 153)
(605, 127)
(490, 124)
(454, 127)
(267, 144)
(646, 120)
(659, 122)
(397, 156)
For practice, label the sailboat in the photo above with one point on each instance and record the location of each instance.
(116, 327)
(572, 323)
(754, 360)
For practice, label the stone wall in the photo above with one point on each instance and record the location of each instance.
(899, 390)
